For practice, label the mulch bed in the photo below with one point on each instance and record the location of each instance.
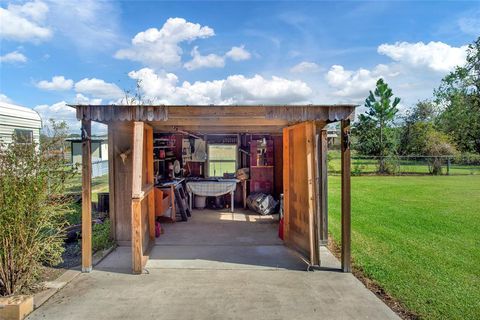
(375, 287)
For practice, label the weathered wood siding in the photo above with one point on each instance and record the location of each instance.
(122, 142)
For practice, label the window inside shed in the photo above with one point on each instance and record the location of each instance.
(222, 159)
(23, 136)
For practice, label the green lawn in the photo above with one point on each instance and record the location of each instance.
(99, 184)
(419, 237)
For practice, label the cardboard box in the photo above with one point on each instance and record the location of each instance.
(16, 307)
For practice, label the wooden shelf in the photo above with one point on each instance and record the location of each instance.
(164, 159)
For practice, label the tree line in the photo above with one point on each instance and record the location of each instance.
(446, 124)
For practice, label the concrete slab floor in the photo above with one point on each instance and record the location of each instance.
(239, 271)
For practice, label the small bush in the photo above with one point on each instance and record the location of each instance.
(101, 239)
(32, 213)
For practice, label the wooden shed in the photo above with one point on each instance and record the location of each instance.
(284, 146)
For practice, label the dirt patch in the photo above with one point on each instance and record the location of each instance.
(71, 258)
(375, 287)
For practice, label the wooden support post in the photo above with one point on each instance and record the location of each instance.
(86, 196)
(312, 203)
(137, 159)
(346, 197)
(322, 169)
(137, 196)
(111, 181)
(150, 178)
(137, 243)
(286, 185)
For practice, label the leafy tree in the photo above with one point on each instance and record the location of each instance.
(374, 132)
(416, 125)
(459, 97)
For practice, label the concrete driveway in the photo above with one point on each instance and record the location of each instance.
(216, 266)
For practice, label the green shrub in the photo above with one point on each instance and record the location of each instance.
(101, 239)
(32, 212)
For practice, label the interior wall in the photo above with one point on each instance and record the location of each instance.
(278, 163)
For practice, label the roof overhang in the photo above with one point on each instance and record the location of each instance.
(216, 118)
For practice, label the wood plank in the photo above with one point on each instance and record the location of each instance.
(286, 184)
(137, 159)
(297, 113)
(278, 165)
(312, 203)
(346, 197)
(322, 163)
(86, 196)
(218, 129)
(150, 180)
(137, 243)
(122, 133)
(221, 121)
(111, 180)
(151, 216)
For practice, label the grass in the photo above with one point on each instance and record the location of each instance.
(419, 238)
(99, 184)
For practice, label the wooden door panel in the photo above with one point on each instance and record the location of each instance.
(299, 190)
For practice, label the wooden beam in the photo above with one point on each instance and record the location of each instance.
(86, 196)
(111, 180)
(322, 169)
(346, 197)
(138, 127)
(137, 243)
(150, 181)
(312, 203)
(286, 184)
(221, 121)
(254, 129)
(137, 196)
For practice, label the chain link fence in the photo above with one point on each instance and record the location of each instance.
(408, 165)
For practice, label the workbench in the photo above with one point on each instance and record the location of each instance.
(212, 188)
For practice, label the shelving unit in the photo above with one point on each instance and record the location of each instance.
(261, 166)
(163, 153)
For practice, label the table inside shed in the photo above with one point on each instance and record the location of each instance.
(212, 187)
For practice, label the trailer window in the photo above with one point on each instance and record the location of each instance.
(222, 158)
(23, 136)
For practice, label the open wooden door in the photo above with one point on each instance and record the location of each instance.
(299, 183)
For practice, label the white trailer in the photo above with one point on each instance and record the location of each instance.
(23, 123)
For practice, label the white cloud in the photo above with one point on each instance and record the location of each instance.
(236, 89)
(238, 54)
(98, 88)
(437, 56)
(81, 99)
(25, 22)
(354, 85)
(58, 83)
(13, 57)
(306, 67)
(208, 61)
(159, 48)
(257, 89)
(4, 98)
(61, 112)
(58, 111)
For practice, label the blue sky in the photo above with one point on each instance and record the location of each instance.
(227, 52)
